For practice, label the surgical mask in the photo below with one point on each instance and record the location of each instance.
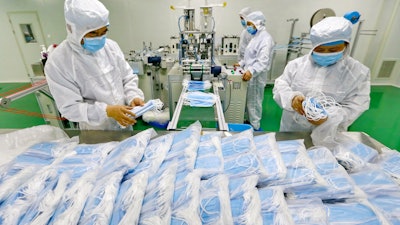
(243, 22)
(199, 99)
(154, 105)
(327, 59)
(94, 44)
(251, 30)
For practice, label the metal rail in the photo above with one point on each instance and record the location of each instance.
(222, 125)
(175, 118)
(5, 101)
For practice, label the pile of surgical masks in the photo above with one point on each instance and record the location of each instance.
(197, 177)
(196, 93)
(193, 85)
(199, 99)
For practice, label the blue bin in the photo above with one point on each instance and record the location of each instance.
(159, 125)
(239, 127)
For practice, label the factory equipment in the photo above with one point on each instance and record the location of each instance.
(296, 45)
(196, 62)
(196, 47)
(151, 66)
(321, 14)
(48, 108)
(174, 45)
(228, 50)
(299, 46)
(233, 92)
(230, 45)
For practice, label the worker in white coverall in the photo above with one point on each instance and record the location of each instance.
(327, 69)
(245, 36)
(256, 62)
(87, 73)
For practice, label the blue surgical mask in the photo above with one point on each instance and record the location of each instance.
(251, 30)
(243, 22)
(327, 59)
(94, 44)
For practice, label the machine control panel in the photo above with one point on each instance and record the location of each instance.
(234, 70)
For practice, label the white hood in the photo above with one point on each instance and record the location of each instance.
(83, 16)
(257, 18)
(245, 12)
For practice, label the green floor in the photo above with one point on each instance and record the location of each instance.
(381, 121)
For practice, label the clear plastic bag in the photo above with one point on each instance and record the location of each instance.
(128, 153)
(308, 211)
(245, 201)
(271, 158)
(339, 184)
(209, 161)
(214, 201)
(300, 169)
(240, 156)
(354, 211)
(129, 200)
(186, 199)
(16, 142)
(274, 209)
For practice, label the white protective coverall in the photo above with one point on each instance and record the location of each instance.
(84, 83)
(245, 36)
(257, 60)
(347, 81)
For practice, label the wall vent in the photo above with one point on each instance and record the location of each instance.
(386, 69)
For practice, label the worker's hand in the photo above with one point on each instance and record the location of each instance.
(297, 104)
(122, 114)
(236, 65)
(137, 102)
(318, 122)
(247, 76)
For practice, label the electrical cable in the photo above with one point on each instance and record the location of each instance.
(230, 96)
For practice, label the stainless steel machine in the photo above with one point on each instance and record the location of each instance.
(196, 62)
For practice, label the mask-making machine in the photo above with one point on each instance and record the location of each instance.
(196, 62)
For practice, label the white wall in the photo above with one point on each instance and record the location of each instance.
(133, 22)
(51, 17)
(388, 47)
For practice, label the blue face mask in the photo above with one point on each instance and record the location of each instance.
(251, 30)
(243, 22)
(94, 44)
(326, 59)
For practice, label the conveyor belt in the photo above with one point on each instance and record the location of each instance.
(210, 117)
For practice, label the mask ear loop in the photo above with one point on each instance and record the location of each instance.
(240, 143)
(304, 214)
(250, 164)
(313, 110)
(234, 147)
(319, 107)
(244, 164)
(204, 205)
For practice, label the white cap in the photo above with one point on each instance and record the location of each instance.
(331, 29)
